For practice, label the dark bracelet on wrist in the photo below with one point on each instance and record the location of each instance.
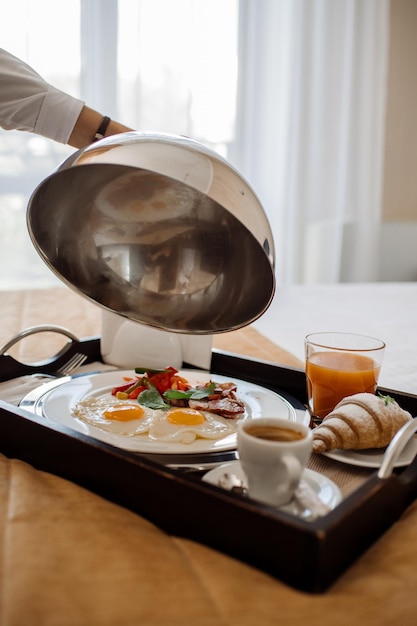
(101, 130)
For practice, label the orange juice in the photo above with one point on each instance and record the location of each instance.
(331, 376)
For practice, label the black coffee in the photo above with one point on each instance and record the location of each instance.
(274, 433)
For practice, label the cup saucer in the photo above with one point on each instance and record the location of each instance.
(328, 492)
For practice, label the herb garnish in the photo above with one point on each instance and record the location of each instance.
(152, 399)
(387, 399)
(191, 394)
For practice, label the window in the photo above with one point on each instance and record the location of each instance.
(291, 92)
(155, 65)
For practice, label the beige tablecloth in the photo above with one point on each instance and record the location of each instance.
(70, 558)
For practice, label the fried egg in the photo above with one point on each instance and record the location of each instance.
(185, 425)
(121, 417)
(128, 417)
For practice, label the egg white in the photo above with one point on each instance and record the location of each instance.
(91, 410)
(213, 427)
(154, 424)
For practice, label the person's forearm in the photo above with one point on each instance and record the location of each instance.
(87, 125)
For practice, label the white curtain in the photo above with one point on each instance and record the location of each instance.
(310, 130)
(292, 92)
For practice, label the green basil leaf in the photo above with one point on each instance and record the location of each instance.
(176, 394)
(152, 399)
(208, 389)
(190, 394)
(205, 392)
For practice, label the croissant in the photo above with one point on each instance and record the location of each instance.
(358, 422)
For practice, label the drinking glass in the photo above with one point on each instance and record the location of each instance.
(340, 364)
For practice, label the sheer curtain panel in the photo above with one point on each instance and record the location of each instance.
(292, 92)
(310, 130)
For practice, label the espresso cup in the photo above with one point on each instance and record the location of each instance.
(273, 453)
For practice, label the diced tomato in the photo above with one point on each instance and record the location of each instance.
(136, 391)
(132, 383)
(121, 388)
(162, 381)
(179, 383)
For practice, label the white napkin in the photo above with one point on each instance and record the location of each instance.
(129, 344)
(14, 390)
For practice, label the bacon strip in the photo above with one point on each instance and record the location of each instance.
(226, 406)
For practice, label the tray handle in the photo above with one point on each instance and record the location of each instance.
(31, 330)
(395, 448)
(12, 368)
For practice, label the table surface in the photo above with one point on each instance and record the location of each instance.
(384, 310)
(64, 307)
(68, 557)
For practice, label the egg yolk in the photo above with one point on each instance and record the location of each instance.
(185, 417)
(124, 412)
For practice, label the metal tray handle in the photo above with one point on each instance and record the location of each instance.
(395, 448)
(32, 330)
(12, 368)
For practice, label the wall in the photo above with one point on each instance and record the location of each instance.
(400, 171)
(398, 249)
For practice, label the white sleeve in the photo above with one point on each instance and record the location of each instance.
(28, 102)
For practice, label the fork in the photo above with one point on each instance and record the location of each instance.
(71, 365)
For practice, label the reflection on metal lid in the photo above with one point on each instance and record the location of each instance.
(158, 229)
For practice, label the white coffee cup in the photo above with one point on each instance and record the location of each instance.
(273, 453)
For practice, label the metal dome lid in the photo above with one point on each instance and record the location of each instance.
(159, 229)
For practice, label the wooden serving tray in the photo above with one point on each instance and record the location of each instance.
(306, 555)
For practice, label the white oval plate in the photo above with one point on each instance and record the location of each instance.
(328, 492)
(58, 403)
(373, 457)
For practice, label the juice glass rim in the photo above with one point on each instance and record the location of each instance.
(332, 344)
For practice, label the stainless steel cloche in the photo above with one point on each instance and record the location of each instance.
(159, 229)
